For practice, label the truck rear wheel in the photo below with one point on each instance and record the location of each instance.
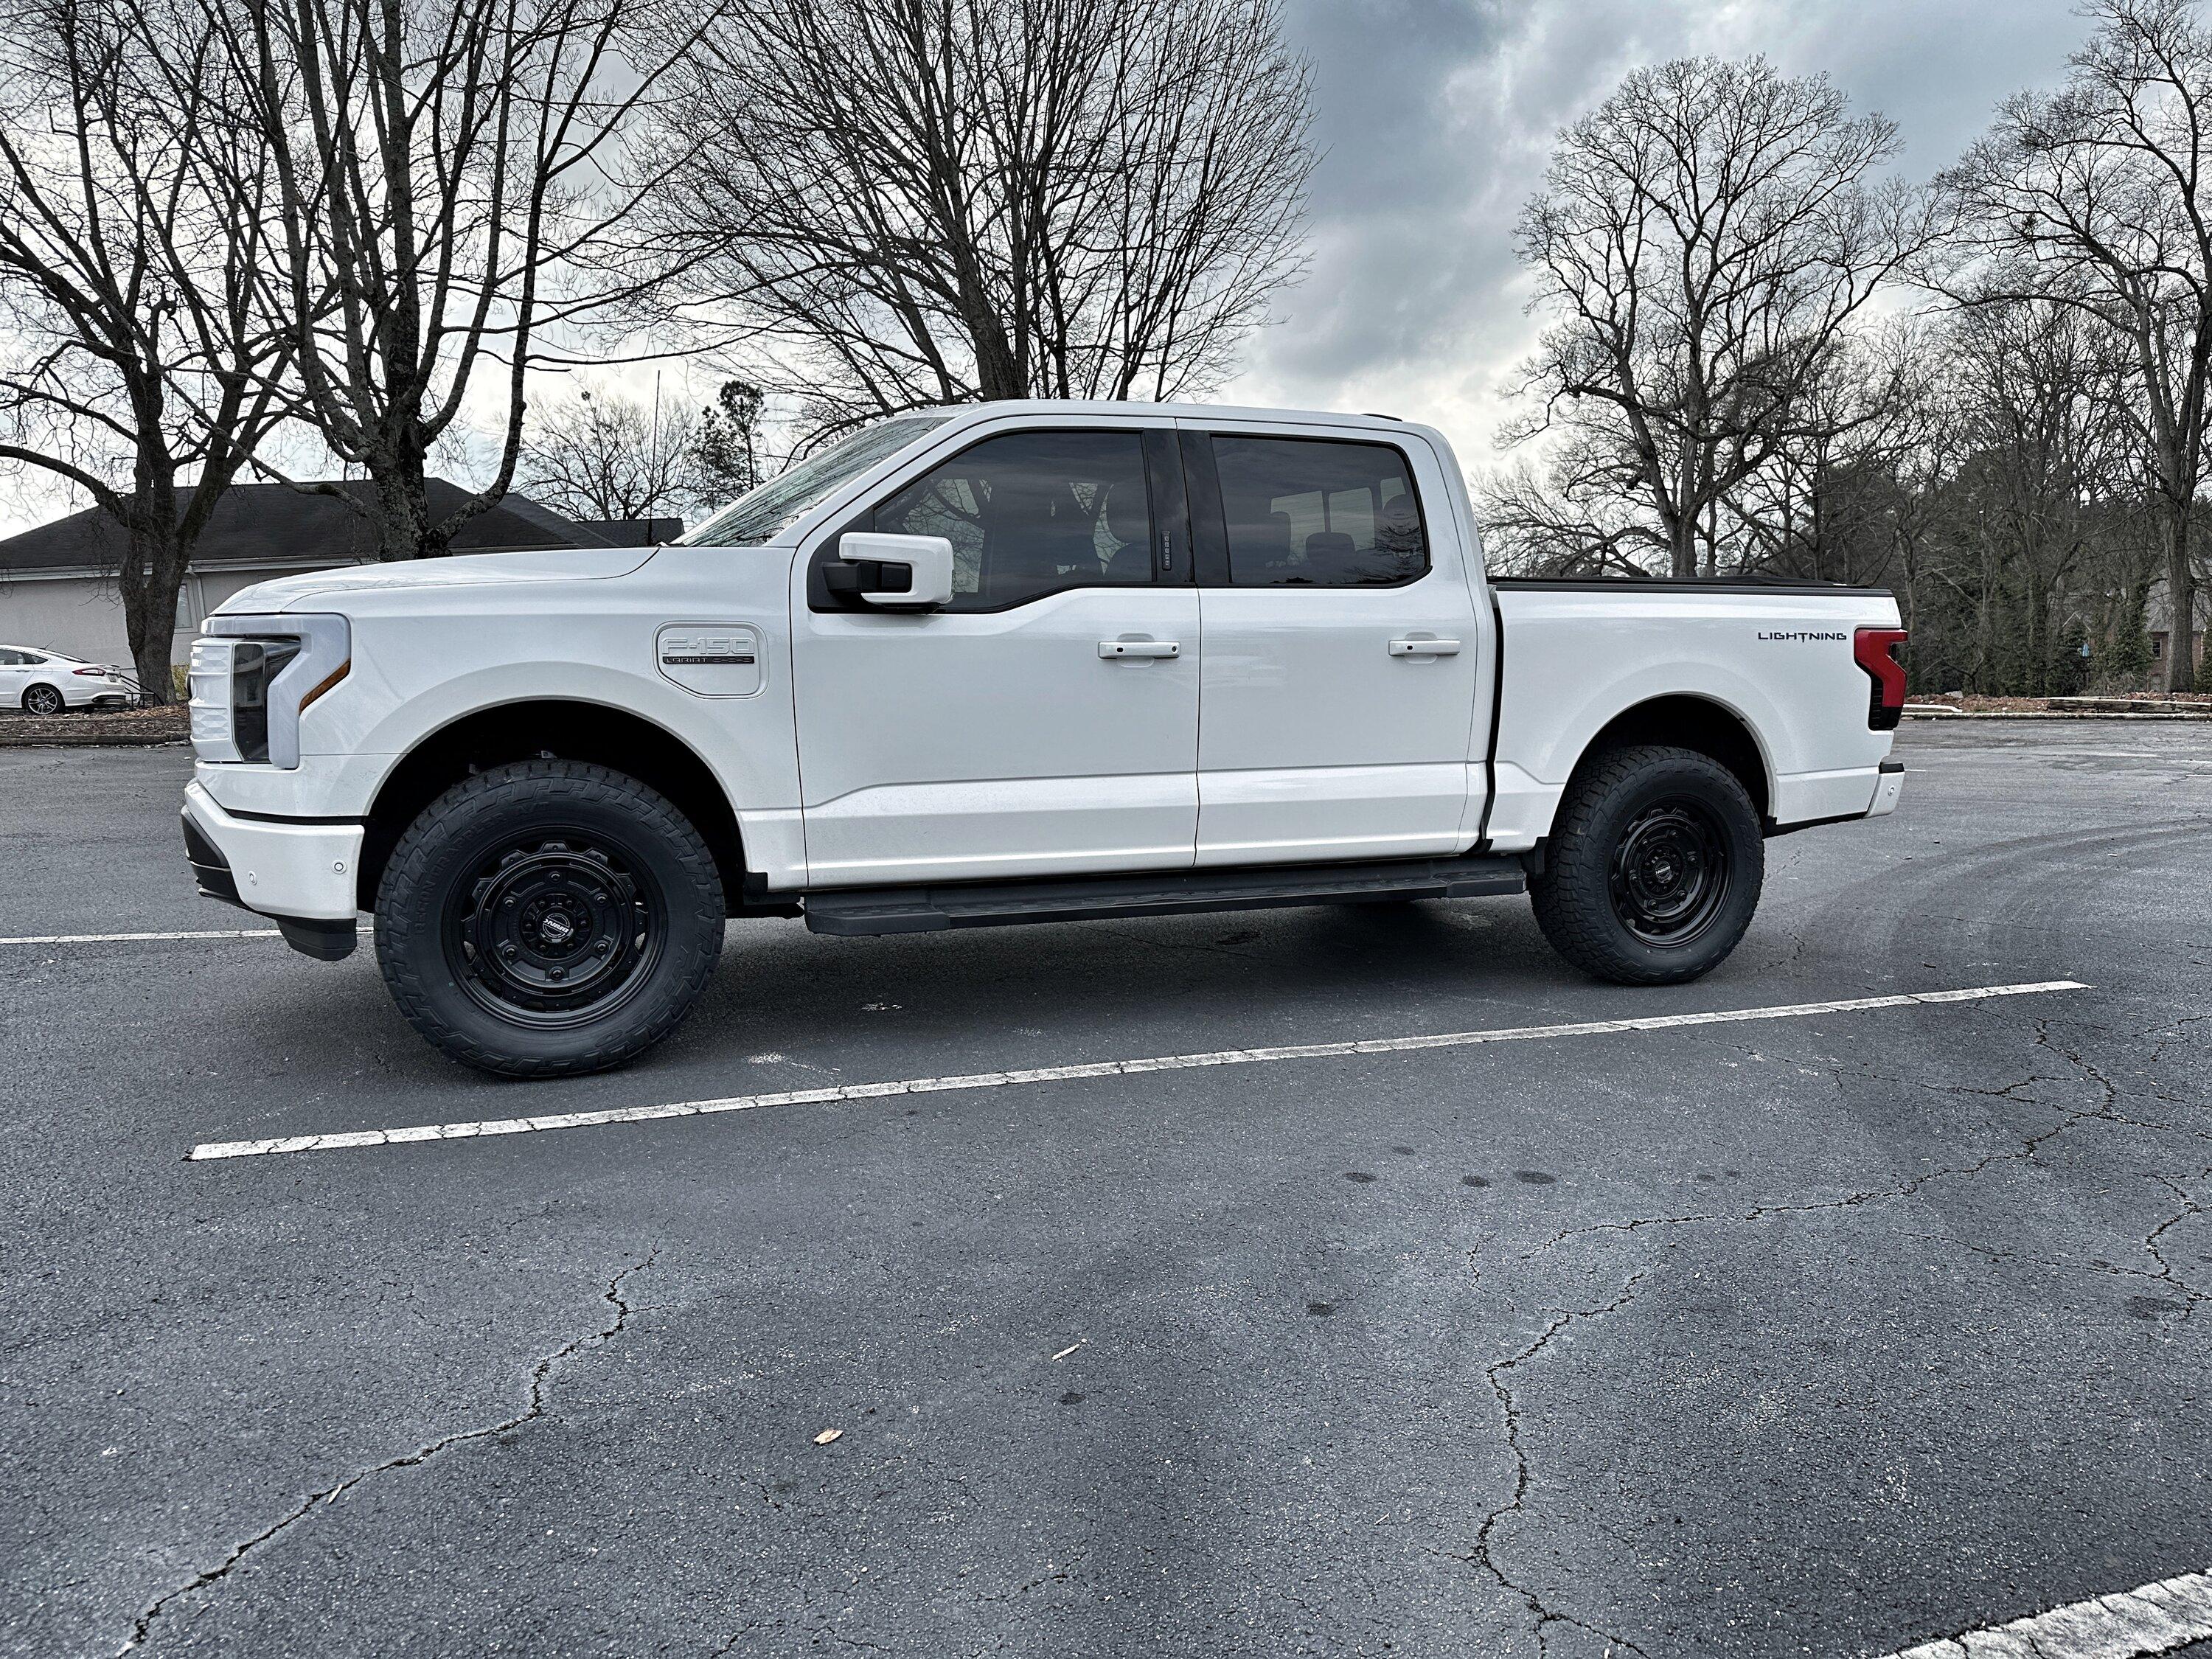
(548, 918)
(1654, 866)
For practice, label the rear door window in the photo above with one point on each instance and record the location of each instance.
(1317, 512)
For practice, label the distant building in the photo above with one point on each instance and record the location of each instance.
(2158, 618)
(57, 582)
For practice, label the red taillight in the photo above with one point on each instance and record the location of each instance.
(1876, 650)
(97, 673)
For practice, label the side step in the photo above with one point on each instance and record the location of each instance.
(859, 910)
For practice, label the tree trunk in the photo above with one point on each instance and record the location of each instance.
(2181, 598)
(403, 512)
(152, 573)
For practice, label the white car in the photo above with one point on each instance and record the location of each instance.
(47, 682)
(1009, 663)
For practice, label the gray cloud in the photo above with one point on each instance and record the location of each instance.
(1436, 119)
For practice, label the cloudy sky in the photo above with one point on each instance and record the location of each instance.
(1436, 118)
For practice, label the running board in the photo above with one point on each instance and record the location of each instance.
(859, 911)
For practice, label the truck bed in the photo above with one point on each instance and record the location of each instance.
(1774, 659)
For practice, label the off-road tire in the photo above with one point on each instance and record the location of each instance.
(1589, 908)
(431, 898)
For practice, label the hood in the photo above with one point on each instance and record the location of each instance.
(471, 570)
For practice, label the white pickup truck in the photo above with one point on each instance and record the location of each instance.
(1012, 662)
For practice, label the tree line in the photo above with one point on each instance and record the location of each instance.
(365, 231)
(247, 241)
(1768, 355)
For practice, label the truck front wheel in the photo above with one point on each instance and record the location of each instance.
(548, 918)
(1653, 868)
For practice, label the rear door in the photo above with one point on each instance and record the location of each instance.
(1340, 683)
(1046, 721)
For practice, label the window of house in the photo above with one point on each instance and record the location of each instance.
(1031, 514)
(1308, 513)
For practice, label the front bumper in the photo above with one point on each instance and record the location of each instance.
(298, 872)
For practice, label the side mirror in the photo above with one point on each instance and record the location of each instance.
(925, 561)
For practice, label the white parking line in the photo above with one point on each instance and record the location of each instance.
(137, 939)
(922, 1085)
(2125, 1624)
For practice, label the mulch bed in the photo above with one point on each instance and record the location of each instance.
(128, 729)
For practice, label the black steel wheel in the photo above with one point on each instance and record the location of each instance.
(548, 918)
(1669, 878)
(1653, 867)
(556, 928)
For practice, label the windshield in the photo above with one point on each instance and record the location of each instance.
(758, 515)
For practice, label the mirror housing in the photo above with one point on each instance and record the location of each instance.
(926, 561)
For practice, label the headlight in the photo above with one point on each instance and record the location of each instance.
(251, 676)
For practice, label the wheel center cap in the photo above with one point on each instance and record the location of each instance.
(556, 928)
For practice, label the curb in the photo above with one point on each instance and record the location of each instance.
(1913, 713)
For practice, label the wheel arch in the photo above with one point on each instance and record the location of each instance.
(1700, 724)
(567, 728)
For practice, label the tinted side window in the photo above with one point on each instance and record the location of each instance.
(1033, 513)
(12, 659)
(1310, 512)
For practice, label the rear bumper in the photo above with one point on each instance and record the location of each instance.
(104, 693)
(298, 872)
(1889, 784)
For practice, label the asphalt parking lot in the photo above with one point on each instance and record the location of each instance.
(1828, 1333)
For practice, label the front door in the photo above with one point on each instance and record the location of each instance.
(1046, 722)
(1340, 684)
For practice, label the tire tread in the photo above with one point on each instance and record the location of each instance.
(402, 957)
(1572, 895)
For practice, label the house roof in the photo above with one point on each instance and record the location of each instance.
(276, 524)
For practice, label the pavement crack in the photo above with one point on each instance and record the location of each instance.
(2190, 1207)
(142, 1627)
(2028, 1146)
(1483, 1553)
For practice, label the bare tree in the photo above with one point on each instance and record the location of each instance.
(1710, 233)
(456, 198)
(135, 362)
(915, 201)
(2097, 195)
(1835, 500)
(610, 458)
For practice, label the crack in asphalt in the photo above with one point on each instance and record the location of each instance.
(1482, 1555)
(142, 1627)
(2190, 1207)
(2107, 1111)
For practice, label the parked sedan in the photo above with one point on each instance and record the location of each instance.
(47, 682)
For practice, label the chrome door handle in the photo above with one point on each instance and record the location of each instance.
(1109, 649)
(1425, 647)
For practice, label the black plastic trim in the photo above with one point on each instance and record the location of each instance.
(937, 907)
(282, 818)
(1209, 522)
(1891, 766)
(325, 941)
(210, 867)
